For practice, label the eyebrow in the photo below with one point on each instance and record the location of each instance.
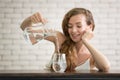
(78, 23)
(75, 23)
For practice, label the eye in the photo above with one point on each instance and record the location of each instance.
(79, 26)
(69, 26)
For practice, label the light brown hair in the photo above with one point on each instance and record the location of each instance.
(68, 46)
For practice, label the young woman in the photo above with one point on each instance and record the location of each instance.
(78, 26)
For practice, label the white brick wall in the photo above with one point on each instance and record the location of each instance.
(17, 54)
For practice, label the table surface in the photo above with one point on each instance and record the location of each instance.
(46, 74)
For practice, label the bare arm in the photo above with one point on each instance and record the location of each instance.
(37, 18)
(101, 61)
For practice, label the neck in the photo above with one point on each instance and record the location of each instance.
(78, 46)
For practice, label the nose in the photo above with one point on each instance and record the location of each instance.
(74, 29)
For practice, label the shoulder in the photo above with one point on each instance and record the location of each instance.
(60, 35)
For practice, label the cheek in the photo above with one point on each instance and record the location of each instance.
(68, 31)
(82, 30)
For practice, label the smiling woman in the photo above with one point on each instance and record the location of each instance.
(78, 26)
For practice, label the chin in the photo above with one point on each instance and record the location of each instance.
(75, 40)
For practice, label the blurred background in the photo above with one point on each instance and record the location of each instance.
(17, 54)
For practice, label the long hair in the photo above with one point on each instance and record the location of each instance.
(68, 46)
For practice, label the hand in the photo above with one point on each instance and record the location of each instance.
(87, 35)
(38, 18)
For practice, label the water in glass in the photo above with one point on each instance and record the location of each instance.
(59, 62)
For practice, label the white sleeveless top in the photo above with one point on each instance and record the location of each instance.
(84, 66)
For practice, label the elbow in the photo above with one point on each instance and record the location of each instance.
(107, 68)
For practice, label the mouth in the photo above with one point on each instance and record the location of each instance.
(75, 36)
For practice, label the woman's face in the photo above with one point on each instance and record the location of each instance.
(76, 26)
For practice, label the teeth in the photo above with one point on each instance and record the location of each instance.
(75, 35)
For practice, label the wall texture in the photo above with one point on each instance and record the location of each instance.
(17, 54)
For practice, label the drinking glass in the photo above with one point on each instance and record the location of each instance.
(59, 62)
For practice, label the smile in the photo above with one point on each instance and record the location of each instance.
(75, 36)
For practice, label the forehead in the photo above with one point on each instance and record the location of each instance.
(77, 18)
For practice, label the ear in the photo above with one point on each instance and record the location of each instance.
(89, 27)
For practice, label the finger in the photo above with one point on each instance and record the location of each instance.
(44, 21)
(33, 19)
(89, 34)
(83, 32)
(38, 17)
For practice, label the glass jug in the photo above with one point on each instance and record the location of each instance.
(37, 32)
